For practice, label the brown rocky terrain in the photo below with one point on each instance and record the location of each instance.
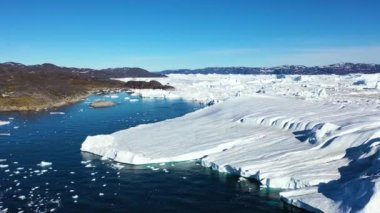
(39, 87)
(151, 85)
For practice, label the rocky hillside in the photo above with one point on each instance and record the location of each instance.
(44, 86)
(95, 73)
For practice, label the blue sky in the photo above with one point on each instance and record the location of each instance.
(170, 34)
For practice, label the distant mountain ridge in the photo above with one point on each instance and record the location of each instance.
(337, 69)
(121, 72)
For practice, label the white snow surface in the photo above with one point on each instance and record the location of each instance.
(317, 137)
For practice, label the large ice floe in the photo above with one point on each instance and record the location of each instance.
(316, 137)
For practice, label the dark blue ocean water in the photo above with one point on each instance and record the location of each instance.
(82, 182)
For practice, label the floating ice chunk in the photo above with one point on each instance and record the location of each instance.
(57, 113)
(117, 166)
(4, 123)
(3, 160)
(21, 197)
(75, 196)
(89, 165)
(2, 166)
(101, 194)
(85, 162)
(133, 100)
(45, 163)
(5, 134)
(155, 169)
(114, 96)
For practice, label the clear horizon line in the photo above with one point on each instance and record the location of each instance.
(205, 67)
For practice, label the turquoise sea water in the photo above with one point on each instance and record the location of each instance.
(82, 182)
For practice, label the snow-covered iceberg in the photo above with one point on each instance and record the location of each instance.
(326, 154)
(215, 88)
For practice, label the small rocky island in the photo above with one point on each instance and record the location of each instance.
(40, 87)
(102, 104)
